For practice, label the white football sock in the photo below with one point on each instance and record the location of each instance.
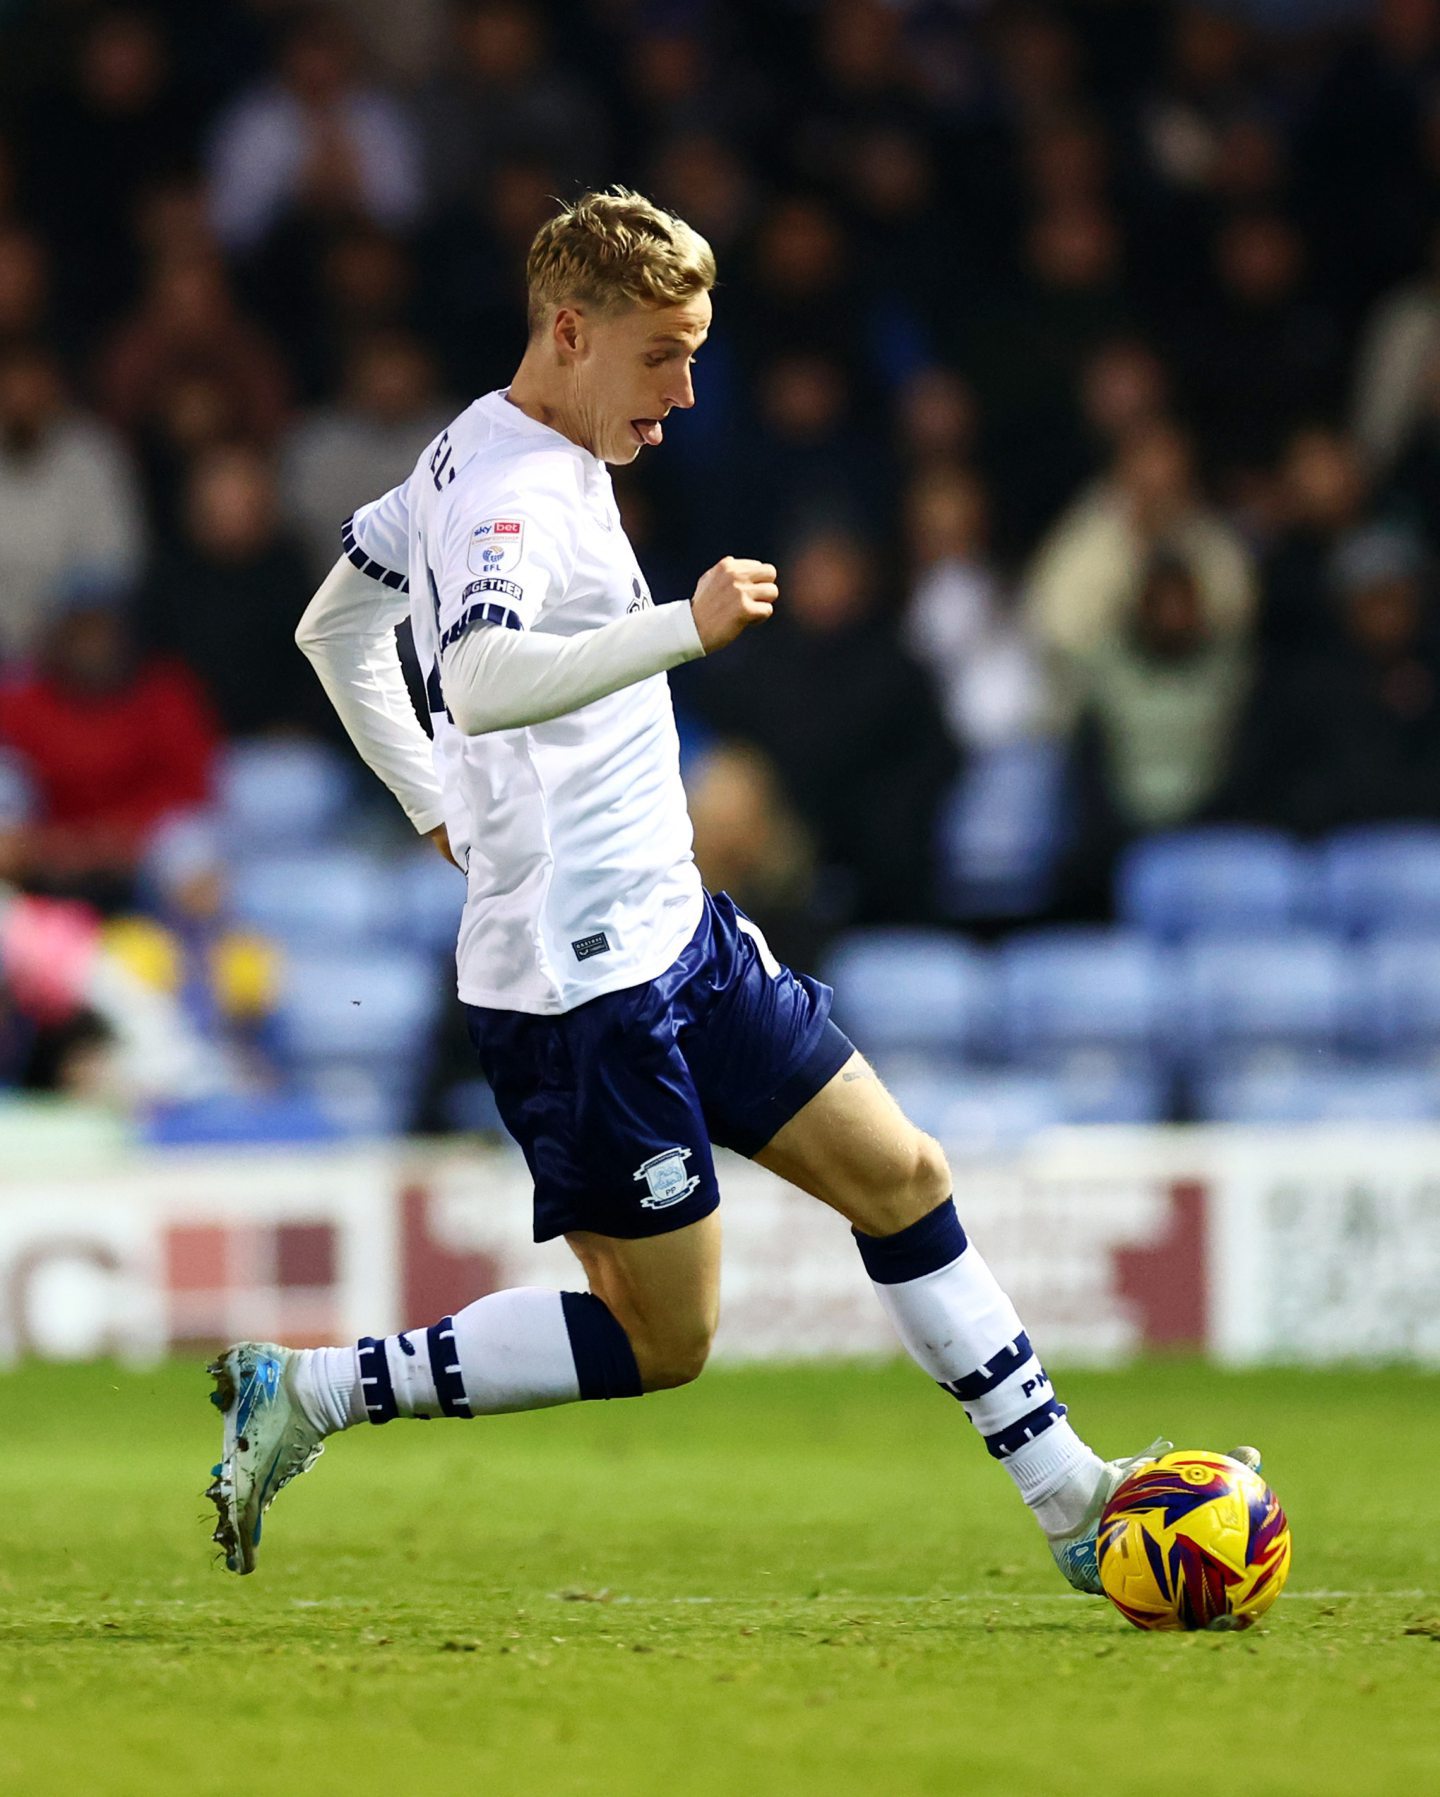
(524, 1349)
(956, 1323)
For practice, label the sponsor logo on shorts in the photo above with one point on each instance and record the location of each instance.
(495, 546)
(598, 944)
(666, 1180)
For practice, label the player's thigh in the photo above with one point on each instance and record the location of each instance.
(664, 1291)
(854, 1148)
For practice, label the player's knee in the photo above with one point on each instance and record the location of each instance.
(676, 1359)
(930, 1180)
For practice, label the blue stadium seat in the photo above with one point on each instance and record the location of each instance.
(911, 989)
(1100, 1086)
(424, 900)
(1332, 1092)
(358, 1028)
(321, 896)
(970, 1110)
(1077, 988)
(1000, 832)
(1292, 990)
(279, 1117)
(1190, 881)
(360, 1007)
(1382, 877)
(282, 794)
(1397, 998)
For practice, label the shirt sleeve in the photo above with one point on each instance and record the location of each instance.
(348, 632)
(376, 540)
(499, 562)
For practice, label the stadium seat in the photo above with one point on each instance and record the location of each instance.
(1187, 882)
(424, 899)
(911, 989)
(283, 1117)
(1000, 832)
(282, 794)
(321, 896)
(1336, 1092)
(1291, 990)
(1100, 1086)
(970, 1111)
(360, 1007)
(1397, 993)
(1383, 877)
(1079, 988)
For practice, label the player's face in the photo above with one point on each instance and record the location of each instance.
(637, 367)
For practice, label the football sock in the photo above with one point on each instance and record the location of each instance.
(523, 1349)
(955, 1322)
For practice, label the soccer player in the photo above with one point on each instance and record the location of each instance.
(625, 1018)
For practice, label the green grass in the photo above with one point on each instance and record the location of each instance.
(794, 1580)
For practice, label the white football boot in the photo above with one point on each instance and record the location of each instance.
(268, 1442)
(1075, 1553)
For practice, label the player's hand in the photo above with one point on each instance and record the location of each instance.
(732, 596)
(441, 839)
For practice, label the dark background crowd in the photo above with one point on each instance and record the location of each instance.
(1079, 365)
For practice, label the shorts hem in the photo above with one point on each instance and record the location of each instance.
(651, 1223)
(829, 1052)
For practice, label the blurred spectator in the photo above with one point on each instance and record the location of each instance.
(225, 978)
(749, 843)
(114, 741)
(1353, 735)
(226, 597)
(188, 334)
(502, 95)
(344, 455)
(1083, 580)
(24, 284)
(1262, 353)
(67, 497)
(939, 419)
(1321, 497)
(313, 142)
(119, 120)
(805, 458)
(1159, 706)
(700, 177)
(958, 621)
(1398, 368)
(849, 721)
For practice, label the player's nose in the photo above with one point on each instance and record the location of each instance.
(682, 393)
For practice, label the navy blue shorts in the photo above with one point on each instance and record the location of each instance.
(616, 1103)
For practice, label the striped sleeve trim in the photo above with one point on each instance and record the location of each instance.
(387, 577)
(488, 613)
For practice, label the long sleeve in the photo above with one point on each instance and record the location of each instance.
(348, 632)
(498, 679)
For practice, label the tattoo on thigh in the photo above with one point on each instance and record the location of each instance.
(855, 1073)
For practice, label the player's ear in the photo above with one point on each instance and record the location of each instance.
(568, 332)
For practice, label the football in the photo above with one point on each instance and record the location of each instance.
(1193, 1541)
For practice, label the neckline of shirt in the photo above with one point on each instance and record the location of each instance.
(503, 412)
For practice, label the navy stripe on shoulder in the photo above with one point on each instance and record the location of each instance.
(388, 577)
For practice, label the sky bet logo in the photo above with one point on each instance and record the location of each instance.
(495, 546)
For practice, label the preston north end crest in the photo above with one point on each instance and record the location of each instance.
(666, 1180)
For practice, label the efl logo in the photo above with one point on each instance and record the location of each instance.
(495, 546)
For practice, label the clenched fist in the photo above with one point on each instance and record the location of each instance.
(732, 596)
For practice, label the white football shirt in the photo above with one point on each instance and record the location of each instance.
(574, 833)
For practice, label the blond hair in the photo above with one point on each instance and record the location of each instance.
(613, 249)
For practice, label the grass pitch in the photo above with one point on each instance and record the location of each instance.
(784, 1580)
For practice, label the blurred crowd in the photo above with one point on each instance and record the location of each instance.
(1078, 363)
